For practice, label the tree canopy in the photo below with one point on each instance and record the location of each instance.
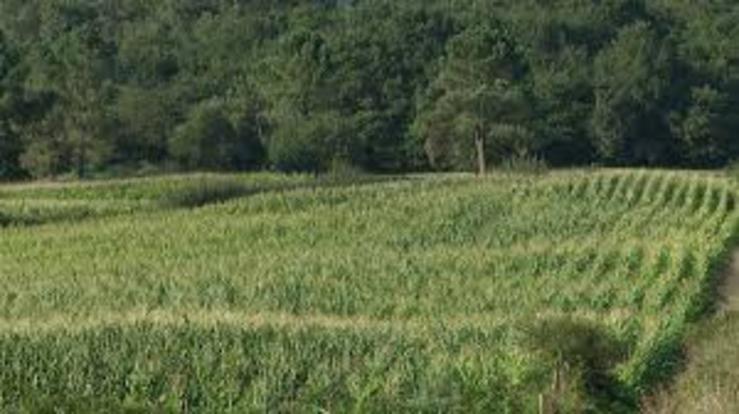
(385, 86)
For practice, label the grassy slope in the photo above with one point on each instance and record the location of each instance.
(710, 381)
(39, 203)
(422, 294)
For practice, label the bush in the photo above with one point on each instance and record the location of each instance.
(208, 140)
(343, 169)
(10, 150)
(40, 159)
(203, 192)
(732, 170)
(583, 355)
(309, 143)
(524, 164)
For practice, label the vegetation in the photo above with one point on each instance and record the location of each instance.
(329, 289)
(570, 290)
(90, 87)
(708, 383)
(22, 205)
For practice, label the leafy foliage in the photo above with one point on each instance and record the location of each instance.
(477, 97)
(382, 85)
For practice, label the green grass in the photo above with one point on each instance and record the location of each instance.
(425, 294)
(709, 382)
(32, 204)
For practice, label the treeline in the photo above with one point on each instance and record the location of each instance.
(382, 85)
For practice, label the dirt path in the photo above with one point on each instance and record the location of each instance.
(729, 287)
(709, 382)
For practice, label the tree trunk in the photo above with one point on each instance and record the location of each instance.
(81, 165)
(480, 147)
(81, 156)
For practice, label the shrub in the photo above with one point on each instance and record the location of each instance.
(202, 192)
(524, 164)
(208, 140)
(309, 143)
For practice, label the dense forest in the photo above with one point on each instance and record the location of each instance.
(91, 86)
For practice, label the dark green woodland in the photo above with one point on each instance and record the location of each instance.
(110, 87)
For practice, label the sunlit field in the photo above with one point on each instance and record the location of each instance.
(278, 293)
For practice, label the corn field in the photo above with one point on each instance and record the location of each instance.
(569, 290)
